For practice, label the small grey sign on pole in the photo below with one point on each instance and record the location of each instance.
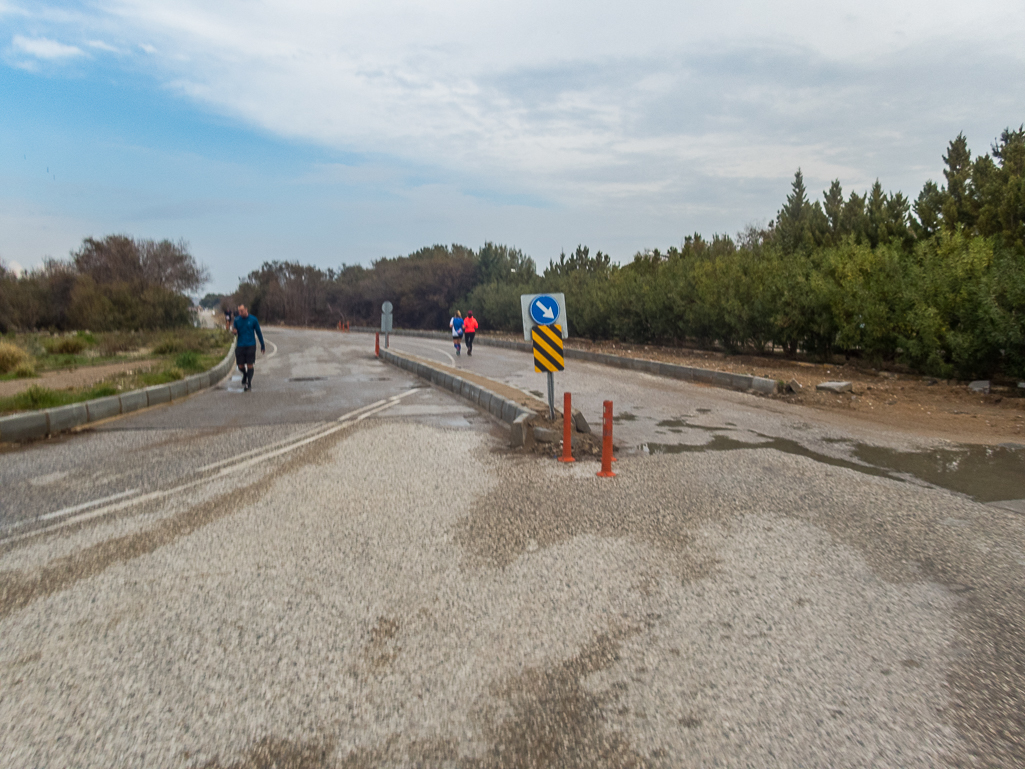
(386, 321)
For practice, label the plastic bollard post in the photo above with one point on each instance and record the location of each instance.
(606, 443)
(567, 429)
(377, 344)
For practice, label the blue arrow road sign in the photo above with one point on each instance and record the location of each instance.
(544, 310)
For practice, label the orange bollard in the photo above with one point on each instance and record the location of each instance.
(377, 344)
(606, 443)
(567, 429)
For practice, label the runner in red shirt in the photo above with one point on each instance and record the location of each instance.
(469, 329)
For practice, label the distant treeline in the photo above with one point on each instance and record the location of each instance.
(937, 284)
(112, 284)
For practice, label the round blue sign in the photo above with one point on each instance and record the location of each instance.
(544, 310)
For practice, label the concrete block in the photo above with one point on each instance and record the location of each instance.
(178, 389)
(580, 423)
(763, 386)
(65, 417)
(103, 408)
(835, 387)
(509, 410)
(133, 401)
(157, 394)
(521, 432)
(23, 427)
(545, 435)
(793, 386)
(980, 386)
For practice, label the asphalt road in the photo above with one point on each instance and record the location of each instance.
(280, 588)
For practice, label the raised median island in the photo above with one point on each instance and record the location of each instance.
(175, 366)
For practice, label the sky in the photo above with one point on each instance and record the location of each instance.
(331, 132)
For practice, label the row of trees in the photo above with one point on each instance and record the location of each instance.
(937, 283)
(116, 283)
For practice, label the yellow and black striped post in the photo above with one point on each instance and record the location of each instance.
(548, 356)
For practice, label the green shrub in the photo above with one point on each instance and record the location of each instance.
(170, 374)
(11, 357)
(65, 345)
(188, 361)
(37, 397)
(25, 371)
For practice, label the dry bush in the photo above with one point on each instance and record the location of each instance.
(12, 356)
(65, 345)
(117, 342)
(24, 371)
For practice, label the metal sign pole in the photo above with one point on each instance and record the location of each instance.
(551, 396)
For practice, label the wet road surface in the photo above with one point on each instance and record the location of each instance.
(397, 589)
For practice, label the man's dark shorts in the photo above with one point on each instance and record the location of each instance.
(245, 355)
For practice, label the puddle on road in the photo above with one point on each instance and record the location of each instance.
(626, 416)
(985, 473)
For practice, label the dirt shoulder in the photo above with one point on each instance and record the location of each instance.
(78, 377)
(908, 403)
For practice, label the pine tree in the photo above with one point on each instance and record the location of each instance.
(959, 207)
(833, 207)
(928, 211)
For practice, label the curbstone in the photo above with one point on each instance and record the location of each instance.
(178, 389)
(198, 382)
(835, 387)
(157, 394)
(66, 417)
(133, 401)
(103, 408)
(509, 411)
(23, 427)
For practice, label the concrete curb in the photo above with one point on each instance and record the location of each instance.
(724, 379)
(39, 424)
(513, 414)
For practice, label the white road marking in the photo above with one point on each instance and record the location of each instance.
(75, 508)
(344, 421)
(446, 353)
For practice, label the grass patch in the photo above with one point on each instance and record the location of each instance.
(164, 376)
(188, 361)
(184, 352)
(37, 397)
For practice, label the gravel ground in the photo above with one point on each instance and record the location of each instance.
(405, 593)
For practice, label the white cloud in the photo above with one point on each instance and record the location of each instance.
(44, 48)
(99, 45)
(657, 108)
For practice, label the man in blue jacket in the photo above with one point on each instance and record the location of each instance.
(246, 327)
